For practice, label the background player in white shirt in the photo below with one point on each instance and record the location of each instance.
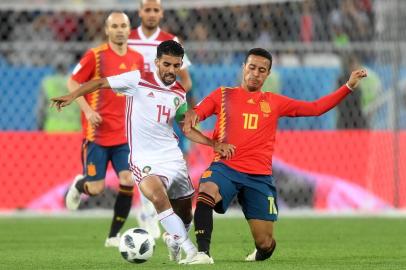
(154, 101)
(145, 39)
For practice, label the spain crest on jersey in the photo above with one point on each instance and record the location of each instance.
(265, 107)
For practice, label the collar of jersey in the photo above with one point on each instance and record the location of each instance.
(143, 37)
(160, 83)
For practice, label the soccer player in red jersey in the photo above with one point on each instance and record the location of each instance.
(145, 40)
(103, 122)
(247, 118)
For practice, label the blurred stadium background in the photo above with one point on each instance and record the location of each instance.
(350, 159)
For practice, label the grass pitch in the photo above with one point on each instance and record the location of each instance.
(302, 243)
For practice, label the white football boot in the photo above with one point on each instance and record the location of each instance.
(251, 257)
(173, 247)
(197, 258)
(72, 199)
(112, 241)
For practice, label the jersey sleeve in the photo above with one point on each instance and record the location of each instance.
(186, 61)
(85, 69)
(293, 107)
(209, 105)
(125, 83)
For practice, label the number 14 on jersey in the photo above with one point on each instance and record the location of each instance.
(164, 113)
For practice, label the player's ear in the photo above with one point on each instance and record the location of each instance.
(156, 61)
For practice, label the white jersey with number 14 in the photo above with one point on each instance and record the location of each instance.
(151, 109)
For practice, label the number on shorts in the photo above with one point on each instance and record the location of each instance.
(272, 206)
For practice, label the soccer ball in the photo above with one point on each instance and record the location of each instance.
(136, 245)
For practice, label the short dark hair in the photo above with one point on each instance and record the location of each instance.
(260, 52)
(170, 47)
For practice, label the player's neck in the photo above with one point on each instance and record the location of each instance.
(148, 32)
(250, 91)
(120, 49)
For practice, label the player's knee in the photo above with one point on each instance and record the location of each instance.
(95, 188)
(211, 189)
(126, 179)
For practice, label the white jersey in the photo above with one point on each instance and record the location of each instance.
(151, 109)
(147, 46)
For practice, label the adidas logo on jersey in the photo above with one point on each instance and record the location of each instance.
(251, 101)
(151, 95)
(123, 66)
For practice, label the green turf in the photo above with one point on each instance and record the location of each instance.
(303, 243)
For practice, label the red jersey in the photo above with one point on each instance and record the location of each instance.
(101, 62)
(249, 121)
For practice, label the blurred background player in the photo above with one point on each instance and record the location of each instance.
(145, 39)
(103, 121)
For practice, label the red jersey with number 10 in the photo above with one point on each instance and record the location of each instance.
(101, 62)
(249, 121)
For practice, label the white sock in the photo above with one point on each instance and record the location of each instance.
(174, 226)
(188, 247)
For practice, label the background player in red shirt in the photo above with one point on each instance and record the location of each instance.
(103, 121)
(145, 40)
(247, 118)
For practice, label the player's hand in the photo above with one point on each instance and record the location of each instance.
(94, 118)
(356, 77)
(224, 149)
(191, 119)
(63, 101)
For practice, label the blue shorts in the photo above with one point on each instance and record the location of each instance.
(95, 159)
(256, 193)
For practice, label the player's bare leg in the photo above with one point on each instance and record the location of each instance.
(122, 208)
(207, 198)
(153, 188)
(262, 232)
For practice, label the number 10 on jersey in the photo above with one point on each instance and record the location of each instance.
(250, 120)
(163, 111)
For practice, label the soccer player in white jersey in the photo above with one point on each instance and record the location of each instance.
(145, 39)
(154, 101)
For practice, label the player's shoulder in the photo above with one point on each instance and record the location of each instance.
(178, 87)
(163, 36)
(223, 89)
(229, 88)
(148, 77)
(101, 48)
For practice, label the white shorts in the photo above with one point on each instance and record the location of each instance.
(173, 175)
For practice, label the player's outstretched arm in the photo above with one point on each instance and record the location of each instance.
(294, 108)
(85, 88)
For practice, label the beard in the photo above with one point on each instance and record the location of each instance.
(169, 78)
